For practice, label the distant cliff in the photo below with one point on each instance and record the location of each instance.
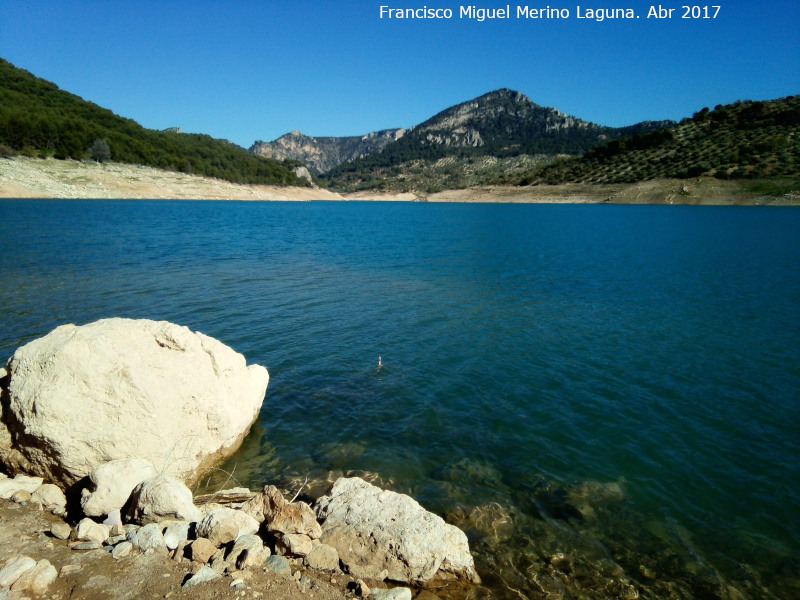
(321, 154)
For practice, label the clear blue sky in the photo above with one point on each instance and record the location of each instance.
(256, 69)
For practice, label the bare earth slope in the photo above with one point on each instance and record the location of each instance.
(34, 178)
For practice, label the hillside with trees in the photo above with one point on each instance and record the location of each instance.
(504, 125)
(746, 140)
(37, 119)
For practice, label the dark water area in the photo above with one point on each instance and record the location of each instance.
(605, 398)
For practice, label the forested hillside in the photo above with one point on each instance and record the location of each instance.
(745, 140)
(39, 119)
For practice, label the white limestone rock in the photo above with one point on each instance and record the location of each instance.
(226, 525)
(90, 531)
(37, 579)
(20, 483)
(149, 537)
(14, 569)
(385, 535)
(162, 498)
(50, 497)
(122, 388)
(113, 482)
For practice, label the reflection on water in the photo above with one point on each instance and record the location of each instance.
(603, 397)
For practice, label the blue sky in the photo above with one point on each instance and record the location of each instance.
(256, 69)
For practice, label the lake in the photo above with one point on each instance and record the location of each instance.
(605, 398)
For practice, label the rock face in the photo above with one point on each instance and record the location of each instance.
(323, 153)
(385, 535)
(121, 388)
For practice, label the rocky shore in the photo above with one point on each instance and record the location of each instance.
(99, 507)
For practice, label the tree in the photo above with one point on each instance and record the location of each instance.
(99, 151)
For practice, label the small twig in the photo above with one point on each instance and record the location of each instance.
(300, 490)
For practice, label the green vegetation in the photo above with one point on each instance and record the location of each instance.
(502, 124)
(39, 119)
(746, 140)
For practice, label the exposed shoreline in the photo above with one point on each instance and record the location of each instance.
(34, 178)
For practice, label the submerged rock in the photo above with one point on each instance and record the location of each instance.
(385, 535)
(123, 388)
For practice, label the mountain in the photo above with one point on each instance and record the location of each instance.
(500, 125)
(745, 140)
(321, 154)
(39, 119)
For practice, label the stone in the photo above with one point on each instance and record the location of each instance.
(398, 593)
(295, 544)
(202, 550)
(20, 483)
(50, 497)
(37, 579)
(265, 505)
(322, 557)
(86, 546)
(226, 525)
(113, 482)
(376, 530)
(360, 588)
(162, 498)
(21, 497)
(114, 520)
(247, 551)
(90, 531)
(295, 518)
(204, 575)
(149, 537)
(123, 388)
(14, 569)
(278, 565)
(176, 533)
(61, 530)
(122, 550)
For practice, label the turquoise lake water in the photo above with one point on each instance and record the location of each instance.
(606, 398)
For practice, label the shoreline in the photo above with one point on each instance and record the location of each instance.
(33, 178)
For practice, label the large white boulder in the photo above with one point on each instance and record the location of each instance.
(120, 388)
(381, 534)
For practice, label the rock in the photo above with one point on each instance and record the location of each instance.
(86, 546)
(123, 388)
(322, 557)
(278, 565)
(148, 537)
(20, 483)
(295, 518)
(202, 576)
(37, 579)
(226, 525)
(50, 496)
(14, 569)
(122, 550)
(360, 588)
(176, 533)
(202, 550)
(399, 593)
(114, 481)
(294, 544)
(21, 497)
(60, 530)
(263, 507)
(375, 531)
(114, 520)
(248, 551)
(91, 532)
(162, 498)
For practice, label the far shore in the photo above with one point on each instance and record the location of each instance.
(34, 178)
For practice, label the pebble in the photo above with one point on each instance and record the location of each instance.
(60, 530)
(122, 550)
(86, 546)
